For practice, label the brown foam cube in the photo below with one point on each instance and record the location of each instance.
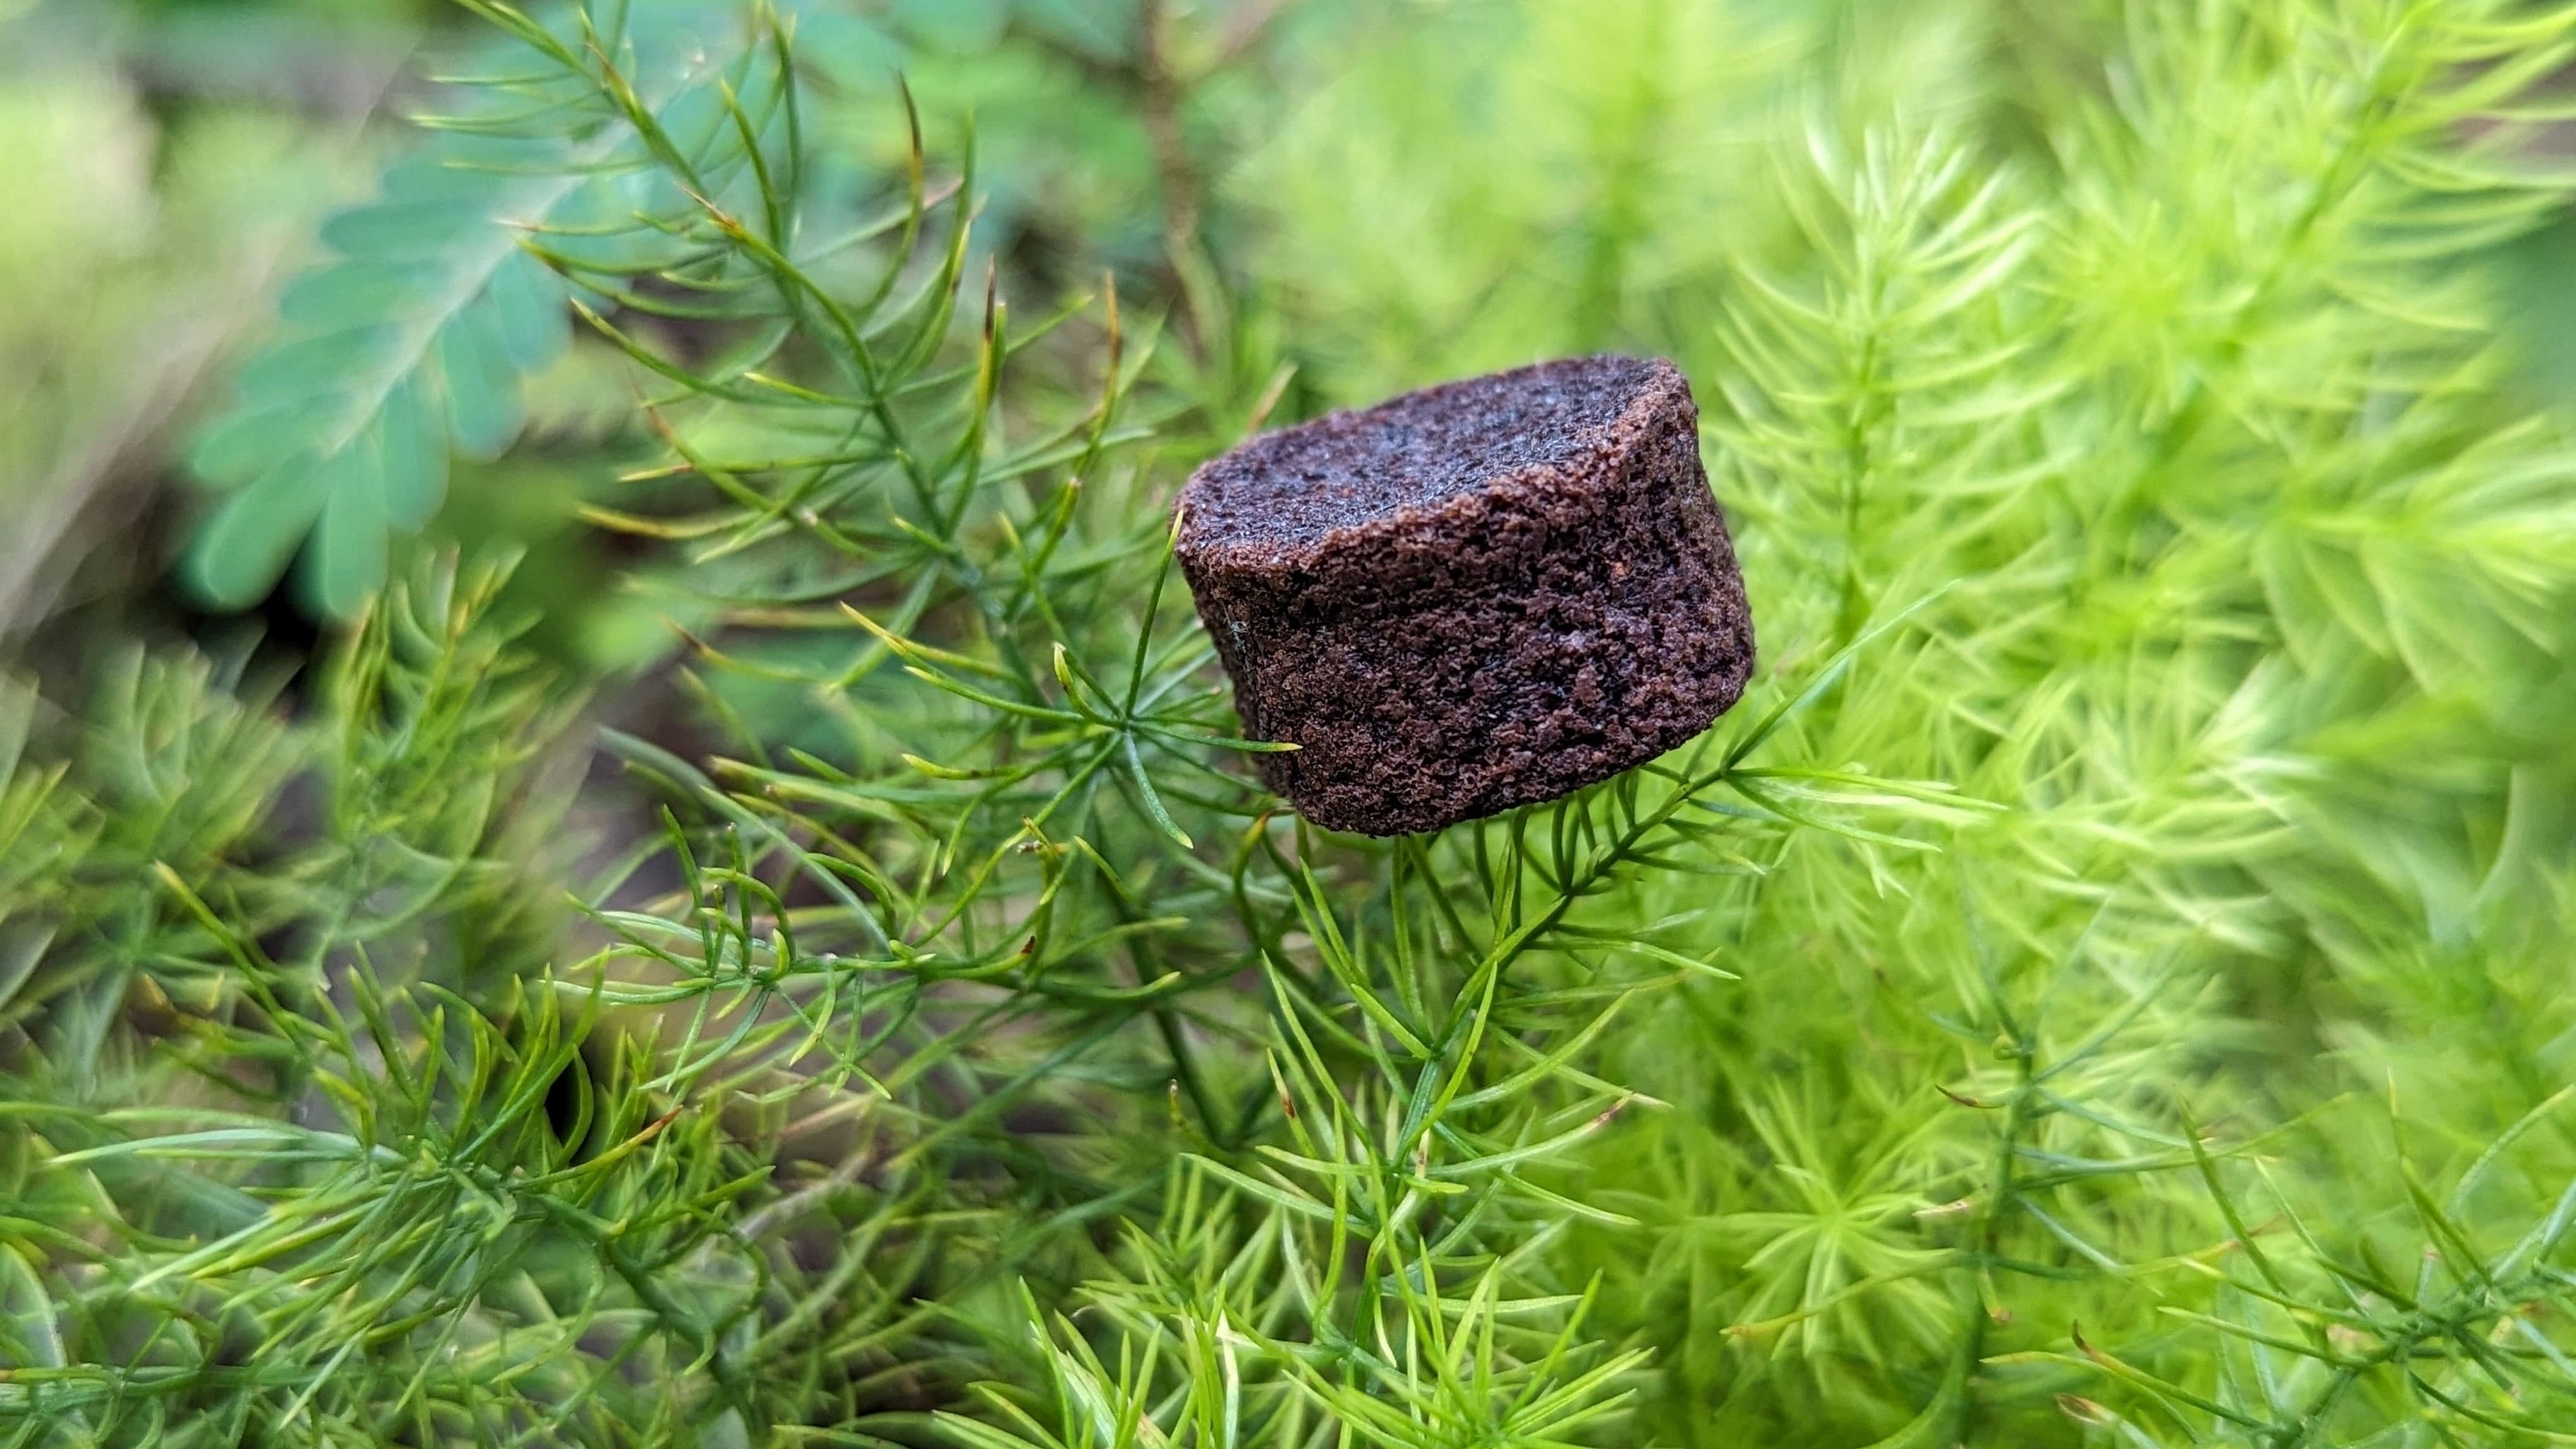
(1476, 596)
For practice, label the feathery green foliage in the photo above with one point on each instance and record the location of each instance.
(2103, 986)
(409, 344)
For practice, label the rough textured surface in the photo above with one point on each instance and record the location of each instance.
(1472, 597)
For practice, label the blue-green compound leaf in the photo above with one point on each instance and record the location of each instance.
(409, 344)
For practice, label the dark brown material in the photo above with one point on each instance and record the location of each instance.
(1476, 596)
